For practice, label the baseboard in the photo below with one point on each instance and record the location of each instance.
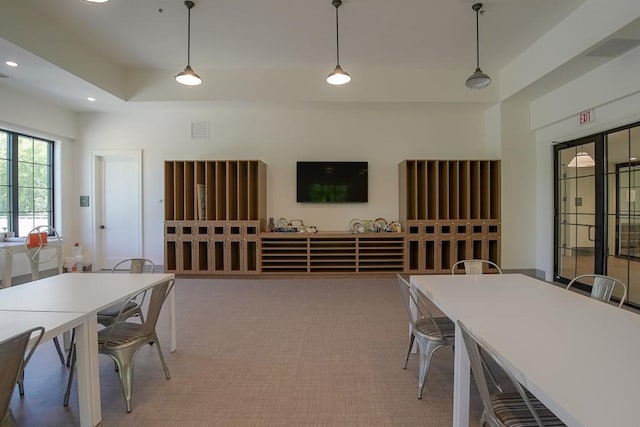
(18, 280)
(538, 274)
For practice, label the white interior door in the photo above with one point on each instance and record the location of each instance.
(117, 207)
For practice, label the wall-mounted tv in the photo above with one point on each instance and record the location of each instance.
(332, 182)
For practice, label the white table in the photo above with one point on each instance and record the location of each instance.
(577, 355)
(7, 249)
(15, 322)
(81, 295)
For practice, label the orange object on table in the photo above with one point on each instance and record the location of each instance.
(37, 239)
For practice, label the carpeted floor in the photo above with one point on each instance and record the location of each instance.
(286, 352)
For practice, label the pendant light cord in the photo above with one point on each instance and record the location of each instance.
(189, 36)
(337, 37)
(477, 40)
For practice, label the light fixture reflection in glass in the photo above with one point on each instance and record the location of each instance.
(188, 77)
(11, 63)
(96, 1)
(582, 160)
(338, 76)
(91, 99)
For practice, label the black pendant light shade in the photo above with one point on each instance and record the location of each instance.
(188, 77)
(478, 80)
(338, 76)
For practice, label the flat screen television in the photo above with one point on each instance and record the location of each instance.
(332, 182)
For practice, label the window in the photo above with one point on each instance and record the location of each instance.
(26, 182)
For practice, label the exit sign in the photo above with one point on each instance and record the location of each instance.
(586, 117)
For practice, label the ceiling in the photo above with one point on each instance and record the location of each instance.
(127, 51)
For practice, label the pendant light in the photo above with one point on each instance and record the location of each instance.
(188, 76)
(478, 80)
(338, 76)
(582, 160)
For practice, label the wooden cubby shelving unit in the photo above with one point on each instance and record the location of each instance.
(451, 211)
(214, 212)
(302, 253)
(215, 216)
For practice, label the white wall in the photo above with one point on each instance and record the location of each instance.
(279, 135)
(612, 91)
(20, 112)
(518, 187)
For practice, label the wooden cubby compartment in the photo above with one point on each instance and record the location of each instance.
(451, 211)
(332, 253)
(214, 213)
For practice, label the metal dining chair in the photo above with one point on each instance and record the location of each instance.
(122, 339)
(36, 240)
(133, 308)
(431, 333)
(475, 266)
(517, 407)
(602, 287)
(12, 362)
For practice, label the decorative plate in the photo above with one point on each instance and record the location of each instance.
(380, 224)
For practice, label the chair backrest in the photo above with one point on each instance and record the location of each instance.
(478, 353)
(39, 238)
(475, 266)
(603, 287)
(136, 265)
(415, 304)
(159, 293)
(12, 361)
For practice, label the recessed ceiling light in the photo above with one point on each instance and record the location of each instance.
(91, 99)
(96, 1)
(11, 63)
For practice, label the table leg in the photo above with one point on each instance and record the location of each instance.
(8, 267)
(35, 267)
(59, 258)
(172, 318)
(461, 382)
(88, 372)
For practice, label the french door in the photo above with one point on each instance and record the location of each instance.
(597, 226)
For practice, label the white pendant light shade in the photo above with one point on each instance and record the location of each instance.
(338, 76)
(582, 160)
(477, 80)
(188, 77)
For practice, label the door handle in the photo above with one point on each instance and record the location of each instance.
(589, 233)
(102, 227)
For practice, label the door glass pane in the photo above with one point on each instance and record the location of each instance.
(576, 211)
(623, 211)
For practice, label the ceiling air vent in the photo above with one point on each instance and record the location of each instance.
(614, 47)
(199, 130)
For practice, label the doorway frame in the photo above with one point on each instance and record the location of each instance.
(136, 155)
(600, 236)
